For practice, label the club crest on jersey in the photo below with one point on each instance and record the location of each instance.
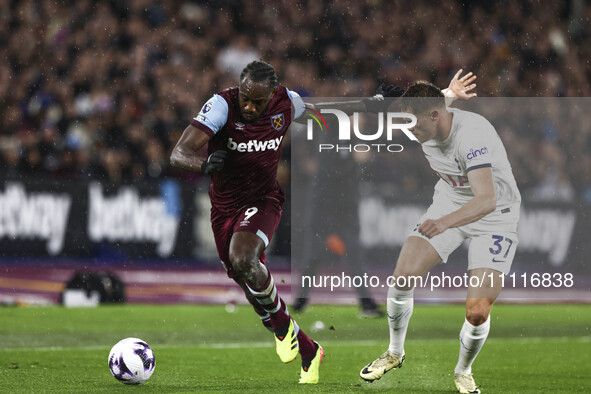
(278, 121)
(206, 108)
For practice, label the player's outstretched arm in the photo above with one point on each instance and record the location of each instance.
(348, 107)
(185, 154)
(376, 103)
(483, 203)
(459, 87)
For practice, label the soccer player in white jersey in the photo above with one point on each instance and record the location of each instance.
(476, 198)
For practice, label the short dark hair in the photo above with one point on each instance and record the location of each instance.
(422, 96)
(260, 71)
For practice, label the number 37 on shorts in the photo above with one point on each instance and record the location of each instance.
(499, 250)
(492, 250)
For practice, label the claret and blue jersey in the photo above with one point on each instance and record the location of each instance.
(254, 149)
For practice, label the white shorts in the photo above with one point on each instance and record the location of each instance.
(493, 239)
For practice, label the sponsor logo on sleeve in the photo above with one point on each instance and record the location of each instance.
(206, 108)
(474, 153)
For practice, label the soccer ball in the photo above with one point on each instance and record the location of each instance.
(132, 361)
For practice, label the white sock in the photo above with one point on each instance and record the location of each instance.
(471, 340)
(399, 305)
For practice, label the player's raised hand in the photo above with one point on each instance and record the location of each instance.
(459, 87)
(214, 163)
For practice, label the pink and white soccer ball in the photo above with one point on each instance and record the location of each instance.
(132, 361)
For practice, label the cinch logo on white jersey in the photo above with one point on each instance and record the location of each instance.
(474, 153)
(255, 145)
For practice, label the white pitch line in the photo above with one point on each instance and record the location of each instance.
(257, 345)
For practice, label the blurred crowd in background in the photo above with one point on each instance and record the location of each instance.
(103, 89)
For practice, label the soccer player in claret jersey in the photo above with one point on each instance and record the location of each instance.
(476, 199)
(243, 128)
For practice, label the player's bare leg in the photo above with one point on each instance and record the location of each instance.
(245, 250)
(476, 327)
(416, 258)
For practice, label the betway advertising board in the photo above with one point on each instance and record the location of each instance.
(96, 220)
(170, 220)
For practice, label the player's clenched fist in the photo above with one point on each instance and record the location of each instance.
(431, 228)
(214, 163)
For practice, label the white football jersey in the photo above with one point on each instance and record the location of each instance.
(472, 143)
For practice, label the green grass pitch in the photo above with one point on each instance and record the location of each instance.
(531, 349)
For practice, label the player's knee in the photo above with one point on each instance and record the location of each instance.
(477, 313)
(406, 278)
(243, 264)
